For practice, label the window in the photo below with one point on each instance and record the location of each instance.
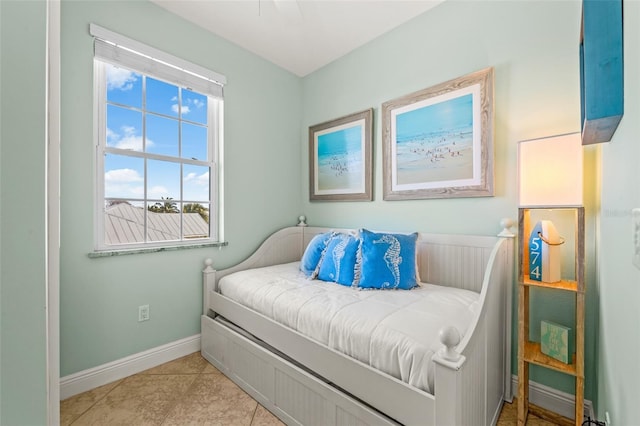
(159, 122)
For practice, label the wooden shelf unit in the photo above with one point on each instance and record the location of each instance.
(529, 352)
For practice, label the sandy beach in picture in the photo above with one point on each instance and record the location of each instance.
(434, 143)
(434, 158)
(340, 172)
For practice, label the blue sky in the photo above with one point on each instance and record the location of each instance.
(450, 114)
(170, 112)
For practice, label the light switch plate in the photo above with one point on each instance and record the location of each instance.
(635, 220)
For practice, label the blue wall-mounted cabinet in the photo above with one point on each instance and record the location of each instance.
(601, 70)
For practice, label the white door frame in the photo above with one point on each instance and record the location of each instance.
(52, 176)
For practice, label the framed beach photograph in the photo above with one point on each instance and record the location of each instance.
(340, 159)
(438, 142)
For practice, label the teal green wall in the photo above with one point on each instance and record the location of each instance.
(619, 339)
(533, 47)
(23, 399)
(100, 297)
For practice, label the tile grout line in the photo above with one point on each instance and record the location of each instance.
(179, 400)
(183, 396)
(98, 400)
(142, 373)
(254, 413)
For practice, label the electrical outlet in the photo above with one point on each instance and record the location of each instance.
(143, 313)
(636, 237)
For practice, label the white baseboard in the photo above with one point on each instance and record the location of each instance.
(83, 381)
(552, 399)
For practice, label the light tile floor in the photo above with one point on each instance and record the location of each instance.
(187, 391)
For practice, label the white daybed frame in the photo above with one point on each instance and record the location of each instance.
(324, 387)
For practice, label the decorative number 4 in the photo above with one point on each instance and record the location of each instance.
(535, 272)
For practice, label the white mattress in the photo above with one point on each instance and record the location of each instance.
(395, 331)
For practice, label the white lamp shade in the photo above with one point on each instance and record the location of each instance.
(550, 171)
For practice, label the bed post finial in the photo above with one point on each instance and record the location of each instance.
(302, 220)
(507, 223)
(208, 265)
(450, 337)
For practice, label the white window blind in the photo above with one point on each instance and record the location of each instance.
(120, 50)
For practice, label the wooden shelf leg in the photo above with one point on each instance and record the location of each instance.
(523, 392)
(523, 366)
(580, 302)
(579, 400)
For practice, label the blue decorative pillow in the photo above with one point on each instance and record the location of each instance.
(313, 253)
(339, 260)
(388, 260)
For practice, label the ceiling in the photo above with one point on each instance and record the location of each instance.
(298, 35)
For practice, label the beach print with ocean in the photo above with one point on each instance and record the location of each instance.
(435, 144)
(340, 160)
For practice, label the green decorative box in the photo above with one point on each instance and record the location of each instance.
(556, 341)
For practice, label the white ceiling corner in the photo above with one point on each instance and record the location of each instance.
(298, 35)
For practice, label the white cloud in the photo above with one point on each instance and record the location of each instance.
(111, 136)
(185, 109)
(128, 130)
(137, 191)
(128, 183)
(121, 79)
(193, 101)
(127, 139)
(123, 183)
(158, 191)
(122, 176)
(130, 142)
(202, 180)
(196, 186)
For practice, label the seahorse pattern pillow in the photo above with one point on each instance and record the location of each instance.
(338, 263)
(388, 260)
(313, 253)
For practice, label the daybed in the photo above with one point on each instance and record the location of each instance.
(305, 380)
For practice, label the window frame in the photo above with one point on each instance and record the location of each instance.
(215, 129)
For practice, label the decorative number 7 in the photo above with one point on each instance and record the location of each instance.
(534, 256)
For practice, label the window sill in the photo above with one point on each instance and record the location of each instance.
(141, 250)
